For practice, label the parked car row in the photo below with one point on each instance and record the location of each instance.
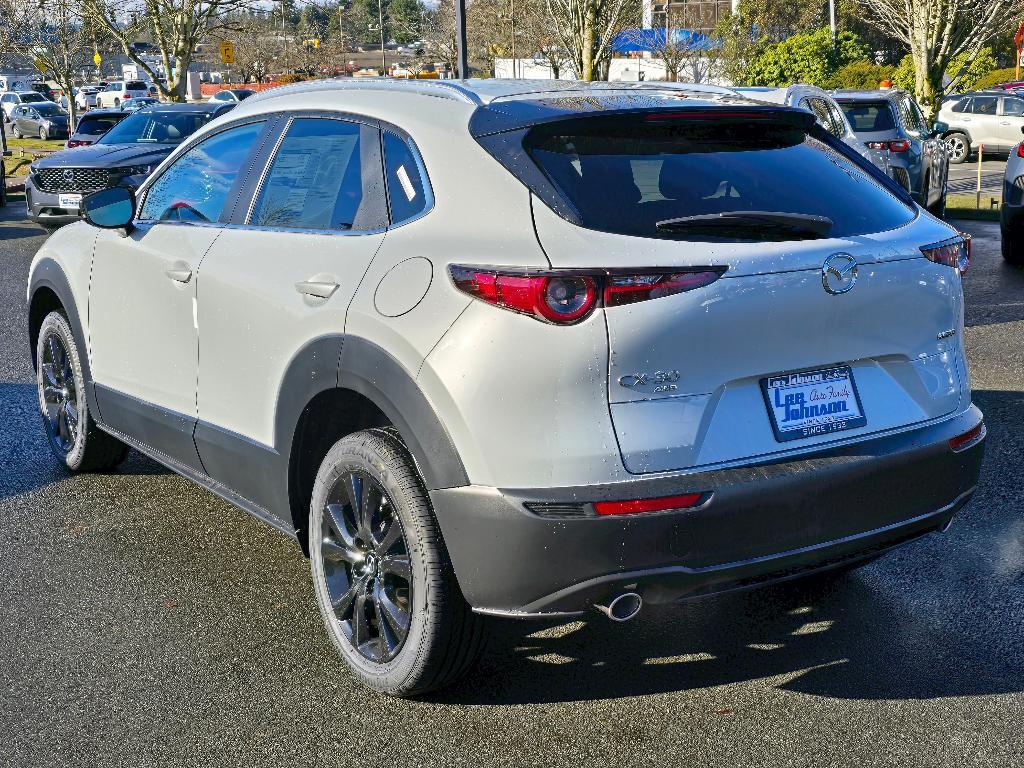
(487, 349)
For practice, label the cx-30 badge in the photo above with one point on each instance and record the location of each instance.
(839, 273)
(659, 381)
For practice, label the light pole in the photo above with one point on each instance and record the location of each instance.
(460, 38)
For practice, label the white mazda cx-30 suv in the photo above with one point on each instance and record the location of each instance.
(519, 349)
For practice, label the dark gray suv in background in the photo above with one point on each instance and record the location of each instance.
(891, 122)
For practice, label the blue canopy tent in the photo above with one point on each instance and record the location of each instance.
(651, 40)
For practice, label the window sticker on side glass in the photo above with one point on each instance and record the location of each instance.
(407, 187)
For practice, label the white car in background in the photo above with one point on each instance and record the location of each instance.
(118, 91)
(12, 99)
(825, 109)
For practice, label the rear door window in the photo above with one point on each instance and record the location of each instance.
(1013, 107)
(636, 177)
(984, 105)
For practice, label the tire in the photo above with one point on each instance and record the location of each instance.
(72, 433)
(15, 131)
(43, 135)
(958, 147)
(370, 578)
(1012, 248)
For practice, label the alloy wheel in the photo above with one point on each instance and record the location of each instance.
(366, 566)
(957, 147)
(60, 396)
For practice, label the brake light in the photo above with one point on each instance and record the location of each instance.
(568, 297)
(955, 252)
(1020, 149)
(971, 437)
(125, 95)
(72, 143)
(685, 501)
(899, 145)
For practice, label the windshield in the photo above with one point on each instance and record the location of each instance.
(868, 116)
(155, 126)
(712, 178)
(50, 110)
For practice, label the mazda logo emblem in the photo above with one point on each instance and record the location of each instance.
(839, 273)
(69, 175)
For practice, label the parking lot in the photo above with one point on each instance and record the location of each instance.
(145, 622)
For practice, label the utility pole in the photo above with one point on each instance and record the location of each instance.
(380, 18)
(832, 19)
(460, 38)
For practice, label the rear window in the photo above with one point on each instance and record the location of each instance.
(638, 178)
(96, 125)
(135, 85)
(869, 116)
(32, 98)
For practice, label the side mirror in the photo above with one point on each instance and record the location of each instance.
(939, 128)
(112, 208)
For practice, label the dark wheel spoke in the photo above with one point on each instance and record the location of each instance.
(354, 487)
(51, 376)
(334, 551)
(360, 627)
(398, 566)
(340, 525)
(55, 358)
(62, 426)
(370, 506)
(391, 534)
(393, 616)
(342, 605)
(51, 393)
(71, 415)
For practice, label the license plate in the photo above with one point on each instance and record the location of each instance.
(70, 201)
(810, 403)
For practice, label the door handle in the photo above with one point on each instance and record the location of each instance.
(321, 290)
(179, 273)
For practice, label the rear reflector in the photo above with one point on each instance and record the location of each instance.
(967, 439)
(955, 252)
(686, 501)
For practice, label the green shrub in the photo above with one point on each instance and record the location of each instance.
(287, 79)
(903, 75)
(862, 75)
(997, 76)
(966, 71)
(809, 57)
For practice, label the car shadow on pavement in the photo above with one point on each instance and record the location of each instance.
(25, 457)
(939, 617)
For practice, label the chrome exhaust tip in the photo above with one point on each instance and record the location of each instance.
(623, 607)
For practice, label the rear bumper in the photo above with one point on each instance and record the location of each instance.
(763, 523)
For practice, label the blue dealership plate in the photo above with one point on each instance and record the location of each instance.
(810, 403)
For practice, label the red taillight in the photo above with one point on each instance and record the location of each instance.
(967, 439)
(72, 143)
(955, 252)
(685, 501)
(901, 145)
(629, 289)
(565, 298)
(125, 95)
(1020, 149)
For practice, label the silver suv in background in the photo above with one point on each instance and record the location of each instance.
(989, 119)
(1011, 213)
(827, 112)
(891, 122)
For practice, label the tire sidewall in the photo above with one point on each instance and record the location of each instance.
(967, 147)
(56, 323)
(357, 452)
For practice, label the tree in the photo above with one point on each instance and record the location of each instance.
(938, 31)
(809, 57)
(439, 34)
(539, 38)
(258, 49)
(863, 75)
(684, 53)
(53, 35)
(406, 20)
(585, 30)
(177, 27)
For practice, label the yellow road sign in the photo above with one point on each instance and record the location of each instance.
(97, 59)
(227, 52)
(40, 65)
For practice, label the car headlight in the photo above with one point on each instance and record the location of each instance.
(136, 170)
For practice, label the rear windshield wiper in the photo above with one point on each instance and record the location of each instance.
(802, 225)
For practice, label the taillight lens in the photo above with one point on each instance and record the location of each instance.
(569, 298)
(901, 145)
(72, 143)
(1020, 149)
(637, 506)
(955, 252)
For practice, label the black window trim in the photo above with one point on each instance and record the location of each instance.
(187, 146)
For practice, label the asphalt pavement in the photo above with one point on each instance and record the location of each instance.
(144, 622)
(963, 178)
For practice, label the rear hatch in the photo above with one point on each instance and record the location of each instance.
(827, 321)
